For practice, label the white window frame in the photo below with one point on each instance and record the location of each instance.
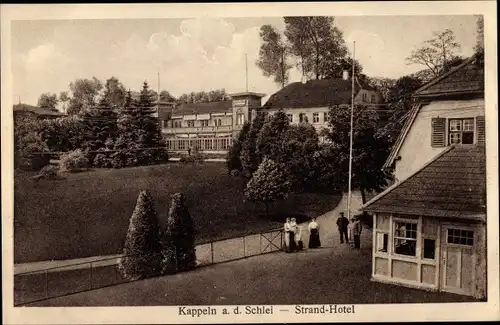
(394, 237)
(325, 117)
(461, 229)
(459, 130)
(290, 117)
(315, 118)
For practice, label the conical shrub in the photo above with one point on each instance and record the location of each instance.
(142, 249)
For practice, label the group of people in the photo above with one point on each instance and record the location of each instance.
(293, 233)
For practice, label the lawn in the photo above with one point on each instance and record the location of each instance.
(87, 214)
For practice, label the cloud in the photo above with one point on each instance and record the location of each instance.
(44, 57)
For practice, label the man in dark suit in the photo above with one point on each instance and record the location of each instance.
(342, 224)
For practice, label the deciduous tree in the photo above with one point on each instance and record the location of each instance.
(48, 101)
(274, 55)
(250, 159)
(233, 161)
(84, 94)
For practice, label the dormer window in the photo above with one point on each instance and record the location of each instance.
(461, 131)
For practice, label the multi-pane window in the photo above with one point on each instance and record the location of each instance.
(290, 117)
(460, 237)
(302, 117)
(204, 123)
(461, 131)
(315, 117)
(373, 98)
(190, 124)
(240, 119)
(405, 238)
(177, 124)
(325, 117)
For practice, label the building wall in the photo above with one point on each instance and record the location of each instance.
(417, 271)
(416, 149)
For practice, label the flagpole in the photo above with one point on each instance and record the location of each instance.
(351, 135)
(246, 72)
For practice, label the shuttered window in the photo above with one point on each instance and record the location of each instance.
(438, 136)
(481, 130)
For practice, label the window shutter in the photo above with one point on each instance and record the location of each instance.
(438, 132)
(480, 129)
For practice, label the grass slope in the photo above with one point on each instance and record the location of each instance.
(87, 214)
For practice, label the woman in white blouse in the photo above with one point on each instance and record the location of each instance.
(314, 241)
(287, 228)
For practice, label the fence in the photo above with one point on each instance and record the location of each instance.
(55, 282)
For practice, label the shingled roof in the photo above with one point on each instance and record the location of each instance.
(452, 185)
(224, 106)
(315, 93)
(467, 77)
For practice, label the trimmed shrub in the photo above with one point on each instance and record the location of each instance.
(74, 161)
(178, 239)
(142, 250)
(49, 172)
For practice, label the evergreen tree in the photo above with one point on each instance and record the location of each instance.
(249, 157)
(126, 143)
(100, 126)
(178, 239)
(270, 138)
(142, 249)
(150, 140)
(233, 161)
(269, 183)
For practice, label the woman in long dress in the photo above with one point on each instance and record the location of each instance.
(293, 231)
(314, 241)
(298, 238)
(287, 229)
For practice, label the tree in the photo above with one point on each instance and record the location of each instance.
(435, 52)
(125, 145)
(316, 43)
(179, 252)
(114, 93)
(270, 138)
(233, 161)
(150, 139)
(370, 150)
(101, 125)
(48, 101)
(249, 157)
(142, 250)
(273, 55)
(84, 95)
(28, 145)
(64, 98)
(166, 96)
(269, 183)
(479, 47)
(204, 97)
(336, 67)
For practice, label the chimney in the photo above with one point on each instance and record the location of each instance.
(345, 75)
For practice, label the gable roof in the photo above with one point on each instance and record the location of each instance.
(466, 78)
(452, 185)
(223, 106)
(315, 93)
(35, 110)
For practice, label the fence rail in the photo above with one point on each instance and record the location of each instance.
(61, 281)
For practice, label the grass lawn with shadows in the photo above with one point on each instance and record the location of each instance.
(87, 214)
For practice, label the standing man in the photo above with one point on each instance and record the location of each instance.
(356, 230)
(342, 224)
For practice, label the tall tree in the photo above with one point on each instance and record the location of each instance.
(48, 101)
(84, 93)
(270, 138)
(250, 159)
(435, 52)
(233, 161)
(125, 145)
(315, 42)
(369, 151)
(479, 47)
(166, 96)
(114, 93)
(142, 250)
(335, 68)
(274, 55)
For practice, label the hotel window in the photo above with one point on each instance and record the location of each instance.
(177, 124)
(405, 237)
(429, 248)
(302, 117)
(204, 123)
(460, 237)
(315, 117)
(461, 131)
(218, 122)
(240, 119)
(190, 124)
(325, 117)
(382, 242)
(365, 97)
(290, 117)
(373, 98)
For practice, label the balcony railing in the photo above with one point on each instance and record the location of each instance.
(201, 129)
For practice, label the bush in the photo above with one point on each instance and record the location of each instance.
(178, 239)
(103, 159)
(192, 159)
(142, 250)
(235, 173)
(49, 172)
(74, 161)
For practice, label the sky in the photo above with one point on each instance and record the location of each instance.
(196, 54)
